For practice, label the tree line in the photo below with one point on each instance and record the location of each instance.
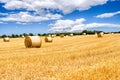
(57, 33)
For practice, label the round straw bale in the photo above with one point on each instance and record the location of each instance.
(96, 34)
(71, 35)
(6, 39)
(84, 33)
(102, 33)
(99, 35)
(111, 33)
(53, 35)
(62, 35)
(48, 39)
(66, 35)
(33, 41)
(49, 35)
(23, 36)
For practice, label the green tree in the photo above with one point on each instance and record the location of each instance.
(24, 34)
(31, 34)
(39, 34)
(44, 34)
(4, 35)
(13, 35)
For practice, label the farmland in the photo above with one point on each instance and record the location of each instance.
(69, 58)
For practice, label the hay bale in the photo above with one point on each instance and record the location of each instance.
(6, 39)
(111, 33)
(102, 33)
(49, 35)
(96, 34)
(71, 35)
(48, 39)
(84, 33)
(23, 36)
(66, 36)
(99, 35)
(33, 41)
(53, 35)
(62, 35)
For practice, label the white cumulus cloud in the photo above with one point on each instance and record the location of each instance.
(106, 15)
(67, 25)
(3, 14)
(1, 22)
(23, 23)
(45, 8)
(66, 6)
(94, 25)
(77, 25)
(27, 17)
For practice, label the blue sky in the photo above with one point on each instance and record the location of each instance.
(43, 16)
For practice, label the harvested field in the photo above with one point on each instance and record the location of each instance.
(69, 58)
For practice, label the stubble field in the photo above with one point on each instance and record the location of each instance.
(69, 58)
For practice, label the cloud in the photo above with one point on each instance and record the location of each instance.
(23, 23)
(114, 0)
(107, 15)
(66, 6)
(67, 25)
(1, 22)
(77, 25)
(94, 25)
(45, 8)
(27, 17)
(3, 14)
